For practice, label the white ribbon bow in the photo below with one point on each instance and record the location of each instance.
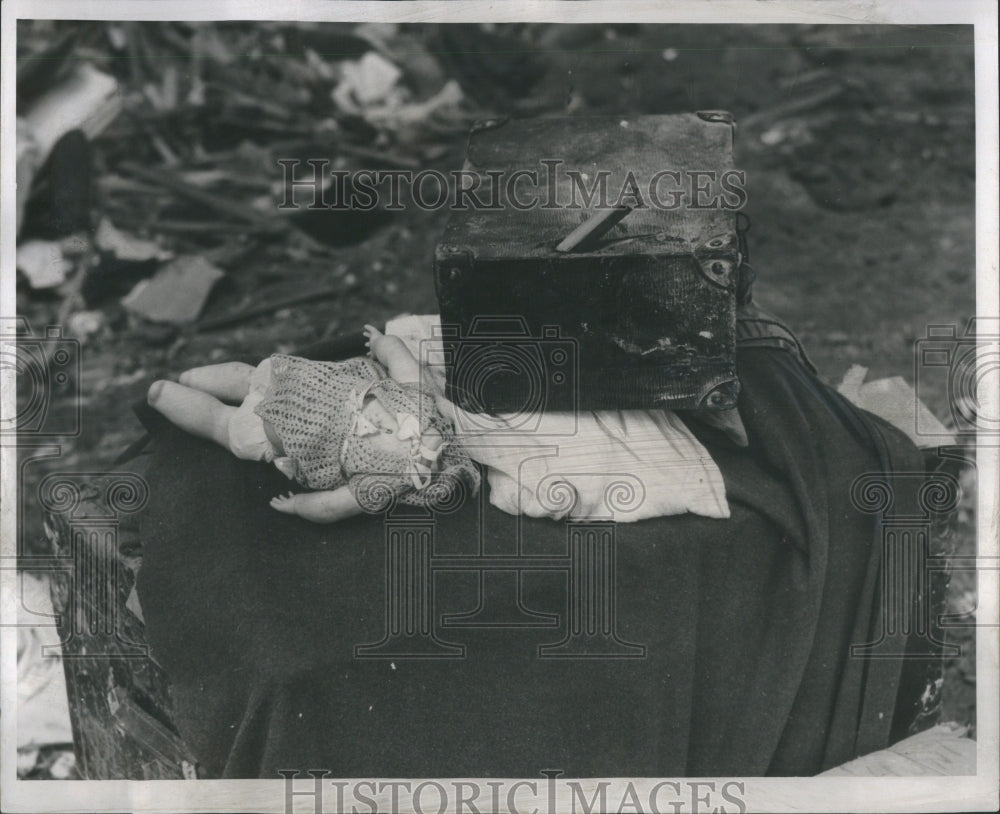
(287, 467)
(409, 430)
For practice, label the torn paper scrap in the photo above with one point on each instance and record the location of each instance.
(176, 293)
(86, 100)
(893, 400)
(127, 247)
(42, 263)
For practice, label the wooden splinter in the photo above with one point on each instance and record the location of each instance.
(591, 230)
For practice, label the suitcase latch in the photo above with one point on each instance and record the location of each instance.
(718, 259)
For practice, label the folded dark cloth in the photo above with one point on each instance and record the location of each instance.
(744, 624)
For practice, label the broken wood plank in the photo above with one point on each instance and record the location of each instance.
(591, 230)
(235, 318)
(942, 750)
(90, 600)
(269, 224)
(221, 205)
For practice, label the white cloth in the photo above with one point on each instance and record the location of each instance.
(623, 465)
(247, 439)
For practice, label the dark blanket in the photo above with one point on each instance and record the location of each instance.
(746, 623)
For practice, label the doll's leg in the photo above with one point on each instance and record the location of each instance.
(192, 410)
(229, 381)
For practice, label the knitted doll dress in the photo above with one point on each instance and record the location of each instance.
(314, 408)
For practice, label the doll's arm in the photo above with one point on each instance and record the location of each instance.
(391, 352)
(319, 507)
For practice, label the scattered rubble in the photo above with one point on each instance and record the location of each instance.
(176, 293)
(127, 247)
(42, 263)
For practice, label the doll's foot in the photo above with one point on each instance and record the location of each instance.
(154, 395)
(229, 381)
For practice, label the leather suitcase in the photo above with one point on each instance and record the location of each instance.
(642, 316)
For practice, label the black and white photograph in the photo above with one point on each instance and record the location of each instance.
(465, 407)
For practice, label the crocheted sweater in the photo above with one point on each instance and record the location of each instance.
(314, 409)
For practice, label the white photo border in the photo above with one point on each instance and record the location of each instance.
(912, 794)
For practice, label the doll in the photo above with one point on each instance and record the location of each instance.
(358, 433)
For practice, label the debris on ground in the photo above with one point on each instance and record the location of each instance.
(44, 735)
(176, 293)
(895, 401)
(944, 750)
(87, 100)
(127, 247)
(42, 263)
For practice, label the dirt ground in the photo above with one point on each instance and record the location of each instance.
(858, 145)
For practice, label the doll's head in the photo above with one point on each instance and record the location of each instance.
(397, 446)
(390, 439)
